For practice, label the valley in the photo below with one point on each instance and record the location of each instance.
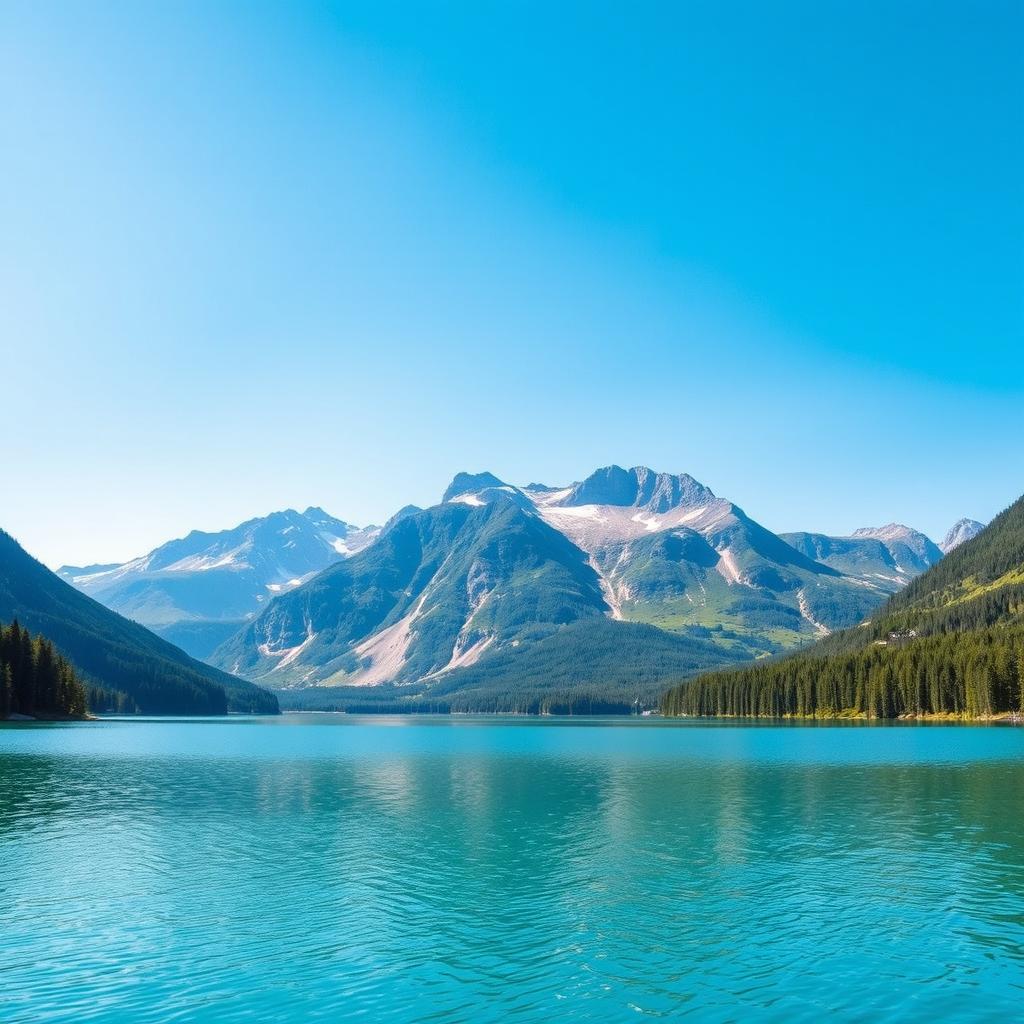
(489, 599)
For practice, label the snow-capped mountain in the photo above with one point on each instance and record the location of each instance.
(912, 550)
(495, 570)
(198, 590)
(628, 575)
(668, 551)
(884, 558)
(962, 530)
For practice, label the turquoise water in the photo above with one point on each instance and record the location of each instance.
(330, 868)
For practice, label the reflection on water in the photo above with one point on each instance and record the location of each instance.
(465, 871)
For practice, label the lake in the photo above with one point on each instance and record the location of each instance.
(488, 869)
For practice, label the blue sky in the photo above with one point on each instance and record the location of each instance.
(267, 255)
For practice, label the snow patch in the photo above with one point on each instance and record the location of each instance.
(287, 654)
(595, 512)
(652, 523)
(203, 563)
(608, 590)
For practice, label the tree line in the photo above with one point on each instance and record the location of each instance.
(34, 679)
(976, 674)
(951, 643)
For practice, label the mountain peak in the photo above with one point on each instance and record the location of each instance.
(403, 513)
(640, 487)
(962, 530)
(891, 531)
(911, 549)
(469, 483)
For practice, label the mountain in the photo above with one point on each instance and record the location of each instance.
(962, 530)
(438, 589)
(911, 549)
(671, 553)
(502, 595)
(468, 605)
(199, 590)
(884, 559)
(466, 483)
(639, 488)
(950, 643)
(133, 667)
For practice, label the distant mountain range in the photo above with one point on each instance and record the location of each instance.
(464, 595)
(592, 595)
(124, 665)
(198, 591)
(884, 558)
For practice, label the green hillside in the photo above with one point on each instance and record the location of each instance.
(591, 666)
(123, 665)
(951, 643)
(446, 578)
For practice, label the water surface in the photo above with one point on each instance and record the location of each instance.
(455, 869)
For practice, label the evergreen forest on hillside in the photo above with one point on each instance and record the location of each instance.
(35, 680)
(951, 643)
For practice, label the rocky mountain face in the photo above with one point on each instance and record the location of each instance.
(962, 530)
(440, 588)
(200, 589)
(884, 564)
(639, 488)
(669, 552)
(629, 574)
(463, 590)
(911, 549)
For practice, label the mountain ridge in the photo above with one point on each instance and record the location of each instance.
(951, 643)
(112, 653)
(199, 589)
(459, 593)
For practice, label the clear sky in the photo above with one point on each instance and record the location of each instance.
(256, 256)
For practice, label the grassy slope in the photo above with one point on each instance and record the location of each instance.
(593, 665)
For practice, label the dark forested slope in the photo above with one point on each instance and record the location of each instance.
(124, 665)
(35, 680)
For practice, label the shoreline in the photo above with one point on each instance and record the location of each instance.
(1007, 717)
(16, 718)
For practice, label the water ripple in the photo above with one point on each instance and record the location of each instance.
(238, 872)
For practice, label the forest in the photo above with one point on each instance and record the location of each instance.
(35, 680)
(974, 675)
